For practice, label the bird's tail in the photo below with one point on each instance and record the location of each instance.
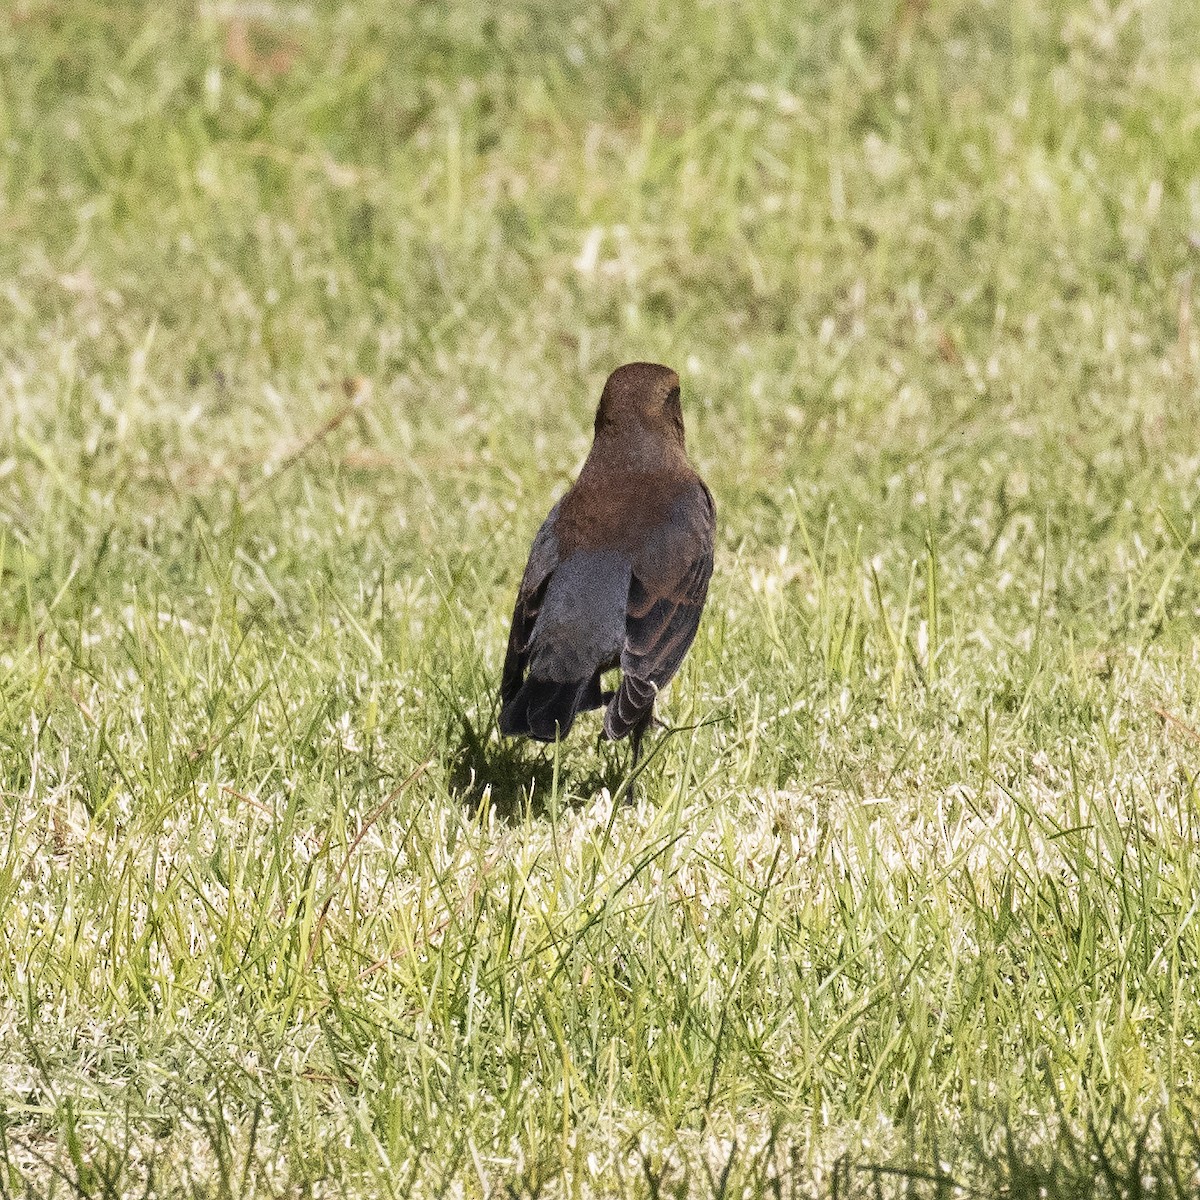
(547, 708)
(632, 708)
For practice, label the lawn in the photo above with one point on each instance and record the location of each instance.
(304, 313)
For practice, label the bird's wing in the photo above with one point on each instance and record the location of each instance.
(666, 596)
(543, 558)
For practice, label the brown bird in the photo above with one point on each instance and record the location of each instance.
(618, 572)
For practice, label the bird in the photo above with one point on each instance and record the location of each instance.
(618, 572)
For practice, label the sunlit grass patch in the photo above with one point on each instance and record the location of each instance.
(304, 310)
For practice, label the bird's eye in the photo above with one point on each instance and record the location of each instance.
(673, 396)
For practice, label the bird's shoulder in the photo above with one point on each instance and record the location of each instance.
(623, 511)
(544, 554)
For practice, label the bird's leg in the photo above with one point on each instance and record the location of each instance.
(635, 739)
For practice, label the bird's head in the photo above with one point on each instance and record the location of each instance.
(641, 397)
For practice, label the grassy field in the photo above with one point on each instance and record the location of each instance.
(304, 312)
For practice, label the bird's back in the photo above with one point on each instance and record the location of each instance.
(617, 574)
(581, 626)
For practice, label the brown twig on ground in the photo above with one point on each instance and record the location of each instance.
(358, 390)
(363, 829)
(1171, 719)
(259, 52)
(88, 715)
(247, 800)
(440, 927)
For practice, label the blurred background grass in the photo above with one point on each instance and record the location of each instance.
(304, 310)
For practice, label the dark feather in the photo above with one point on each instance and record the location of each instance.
(543, 558)
(575, 632)
(663, 613)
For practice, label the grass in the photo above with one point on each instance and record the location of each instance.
(304, 311)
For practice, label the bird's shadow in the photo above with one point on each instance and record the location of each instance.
(517, 777)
